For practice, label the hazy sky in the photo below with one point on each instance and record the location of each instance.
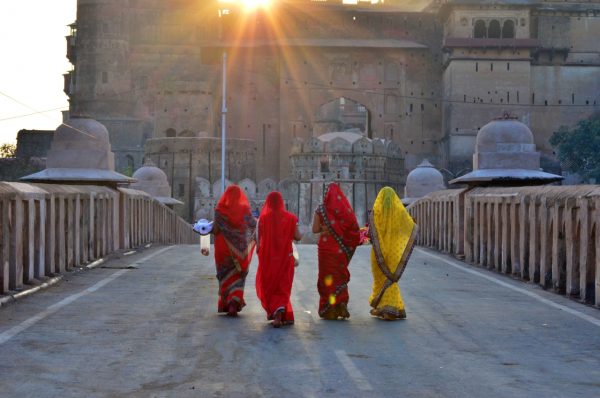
(33, 60)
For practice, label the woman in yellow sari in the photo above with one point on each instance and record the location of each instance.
(393, 234)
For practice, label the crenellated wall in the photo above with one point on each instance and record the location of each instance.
(546, 235)
(47, 229)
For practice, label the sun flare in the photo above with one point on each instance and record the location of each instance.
(254, 4)
(249, 5)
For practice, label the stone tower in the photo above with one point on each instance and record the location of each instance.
(101, 82)
(488, 52)
(533, 59)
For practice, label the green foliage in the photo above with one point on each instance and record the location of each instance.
(8, 150)
(579, 149)
(128, 171)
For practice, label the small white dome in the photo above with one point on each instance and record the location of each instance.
(149, 172)
(423, 180)
(153, 181)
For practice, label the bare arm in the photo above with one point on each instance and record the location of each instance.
(316, 225)
(297, 234)
(215, 229)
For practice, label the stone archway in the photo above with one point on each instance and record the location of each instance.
(342, 114)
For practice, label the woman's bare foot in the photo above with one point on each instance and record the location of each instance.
(232, 309)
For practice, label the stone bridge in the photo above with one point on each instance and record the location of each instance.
(125, 305)
(48, 229)
(546, 235)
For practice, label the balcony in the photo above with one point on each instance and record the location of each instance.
(71, 51)
(69, 83)
(467, 42)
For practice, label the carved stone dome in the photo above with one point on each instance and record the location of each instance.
(149, 172)
(505, 153)
(80, 151)
(422, 180)
(83, 129)
(504, 132)
(154, 181)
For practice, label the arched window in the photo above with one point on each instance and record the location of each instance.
(494, 30)
(480, 31)
(324, 165)
(170, 132)
(508, 29)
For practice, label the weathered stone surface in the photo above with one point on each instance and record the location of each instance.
(249, 188)
(543, 234)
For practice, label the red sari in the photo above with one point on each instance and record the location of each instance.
(276, 228)
(335, 251)
(234, 245)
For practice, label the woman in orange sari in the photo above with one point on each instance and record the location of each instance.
(234, 229)
(339, 235)
(276, 229)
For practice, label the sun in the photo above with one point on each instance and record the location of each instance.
(254, 4)
(249, 5)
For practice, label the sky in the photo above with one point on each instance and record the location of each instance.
(32, 63)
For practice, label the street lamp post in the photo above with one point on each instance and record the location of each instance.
(223, 121)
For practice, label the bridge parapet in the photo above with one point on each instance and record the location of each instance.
(47, 229)
(545, 234)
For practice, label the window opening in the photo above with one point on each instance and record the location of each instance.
(494, 30)
(480, 30)
(508, 29)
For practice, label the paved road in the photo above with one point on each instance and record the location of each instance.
(152, 331)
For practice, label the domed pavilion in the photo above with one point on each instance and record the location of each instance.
(80, 153)
(505, 154)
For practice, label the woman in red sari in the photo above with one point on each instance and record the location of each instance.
(339, 235)
(234, 229)
(276, 229)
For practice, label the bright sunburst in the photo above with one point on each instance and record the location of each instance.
(249, 5)
(253, 4)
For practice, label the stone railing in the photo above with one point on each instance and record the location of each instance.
(47, 229)
(547, 235)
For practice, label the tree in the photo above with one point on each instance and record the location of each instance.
(579, 149)
(8, 150)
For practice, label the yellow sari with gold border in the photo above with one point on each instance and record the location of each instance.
(393, 233)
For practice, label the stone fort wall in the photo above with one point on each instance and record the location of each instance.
(429, 80)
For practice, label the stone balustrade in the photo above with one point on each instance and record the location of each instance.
(545, 234)
(47, 229)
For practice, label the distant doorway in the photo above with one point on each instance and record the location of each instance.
(343, 114)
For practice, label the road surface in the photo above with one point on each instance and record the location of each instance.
(145, 325)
